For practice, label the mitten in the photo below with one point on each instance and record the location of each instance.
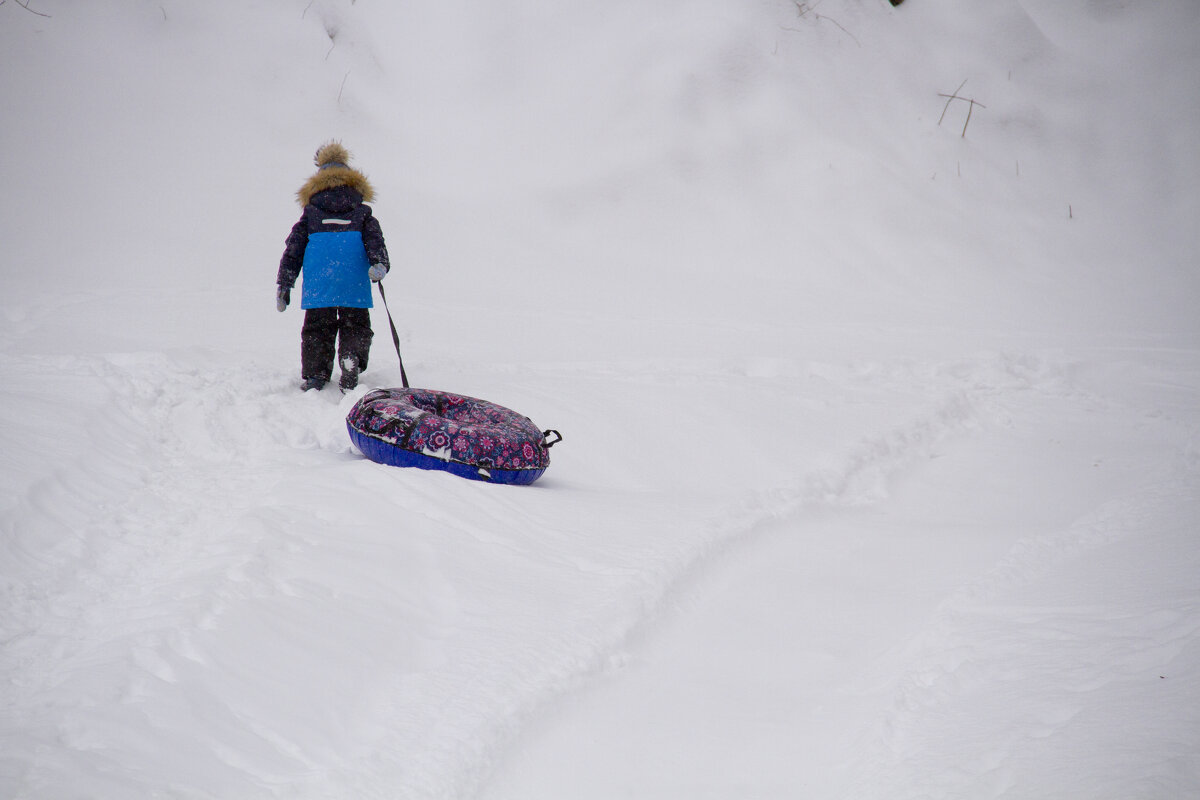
(282, 297)
(376, 272)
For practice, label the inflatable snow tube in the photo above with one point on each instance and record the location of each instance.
(465, 436)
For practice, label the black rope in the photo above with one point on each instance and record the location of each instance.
(395, 336)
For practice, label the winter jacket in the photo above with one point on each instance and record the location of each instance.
(335, 241)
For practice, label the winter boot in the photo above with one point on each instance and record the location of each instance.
(349, 373)
(312, 383)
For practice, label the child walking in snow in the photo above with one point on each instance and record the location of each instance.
(339, 246)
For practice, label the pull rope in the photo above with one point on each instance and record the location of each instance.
(395, 336)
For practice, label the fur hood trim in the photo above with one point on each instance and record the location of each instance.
(333, 170)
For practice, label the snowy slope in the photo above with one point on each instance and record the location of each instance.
(881, 450)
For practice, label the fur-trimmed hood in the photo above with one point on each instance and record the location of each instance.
(334, 170)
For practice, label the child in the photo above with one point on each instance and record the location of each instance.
(339, 246)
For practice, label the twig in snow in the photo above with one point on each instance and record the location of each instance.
(843, 30)
(971, 100)
(803, 9)
(342, 87)
(952, 96)
(331, 30)
(25, 6)
(969, 110)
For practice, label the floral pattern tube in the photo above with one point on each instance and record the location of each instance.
(463, 435)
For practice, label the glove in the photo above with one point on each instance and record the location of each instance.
(376, 272)
(282, 297)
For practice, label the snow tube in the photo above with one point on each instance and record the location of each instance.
(465, 436)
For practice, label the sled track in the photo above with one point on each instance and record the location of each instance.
(173, 544)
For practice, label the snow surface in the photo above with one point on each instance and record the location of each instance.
(881, 470)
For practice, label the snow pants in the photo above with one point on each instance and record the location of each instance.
(350, 327)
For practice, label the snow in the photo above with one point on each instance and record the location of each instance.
(882, 439)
